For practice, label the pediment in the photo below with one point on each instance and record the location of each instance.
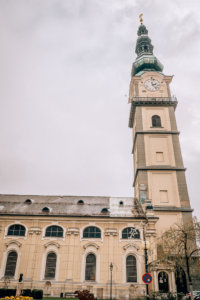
(52, 244)
(131, 245)
(91, 245)
(17, 243)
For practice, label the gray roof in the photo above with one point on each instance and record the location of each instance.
(67, 206)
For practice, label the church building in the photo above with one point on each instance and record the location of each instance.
(66, 243)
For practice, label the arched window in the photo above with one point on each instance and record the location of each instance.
(46, 210)
(17, 229)
(131, 269)
(28, 201)
(11, 264)
(54, 231)
(130, 233)
(156, 121)
(104, 210)
(90, 269)
(163, 282)
(50, 269)
(92, 232)
(80, 202)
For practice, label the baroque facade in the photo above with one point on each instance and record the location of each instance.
(65, 243)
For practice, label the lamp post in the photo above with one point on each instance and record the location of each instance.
(146, 260)
(111, 268)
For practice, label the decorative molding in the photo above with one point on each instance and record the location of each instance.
(160, 132)
(91, 245)
(71, 231)
(111, 231)
(150, 232)
(35, 230)
(158, 101)
(13, 242)
(131, 246)
(52, 244)
(156, 168)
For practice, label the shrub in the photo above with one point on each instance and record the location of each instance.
(27, 293)
(85, 295)
(37, 294)
(7, 292)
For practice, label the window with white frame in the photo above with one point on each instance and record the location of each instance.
(17, 230)
(92, 232)
(50, 270)
(131, 269)
(54, 231)
(130, 233)
(11, 264)
(90, 267)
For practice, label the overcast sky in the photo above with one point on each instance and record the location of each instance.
(64, 79)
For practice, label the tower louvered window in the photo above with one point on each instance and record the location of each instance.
(156, 121)
(11, 264)
(131, 269)
(50, 270)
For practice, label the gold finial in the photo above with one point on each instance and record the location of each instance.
(141, 20)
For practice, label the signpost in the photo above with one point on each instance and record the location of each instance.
(147, 278)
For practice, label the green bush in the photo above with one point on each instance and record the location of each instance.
(27, 293)
(37, 294)
(7, 292)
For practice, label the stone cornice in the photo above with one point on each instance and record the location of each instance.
(172, 208)
(156, 168)
(140, 101)
(152, 132)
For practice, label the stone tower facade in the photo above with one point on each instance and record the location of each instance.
(159, 173)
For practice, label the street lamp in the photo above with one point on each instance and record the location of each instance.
(111, 268)
(146, 260)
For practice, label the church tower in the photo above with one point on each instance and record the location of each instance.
(159, 173)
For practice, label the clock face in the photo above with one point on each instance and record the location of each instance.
(152, 84)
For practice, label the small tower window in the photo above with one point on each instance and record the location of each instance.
(156, 121)
(121, 203)
(80, 202)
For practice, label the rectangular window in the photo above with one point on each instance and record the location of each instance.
(159, 156)
(164, 196)
(142, 196)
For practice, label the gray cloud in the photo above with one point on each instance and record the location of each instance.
(64, 77)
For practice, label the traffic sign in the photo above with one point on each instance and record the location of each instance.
(147, 278)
